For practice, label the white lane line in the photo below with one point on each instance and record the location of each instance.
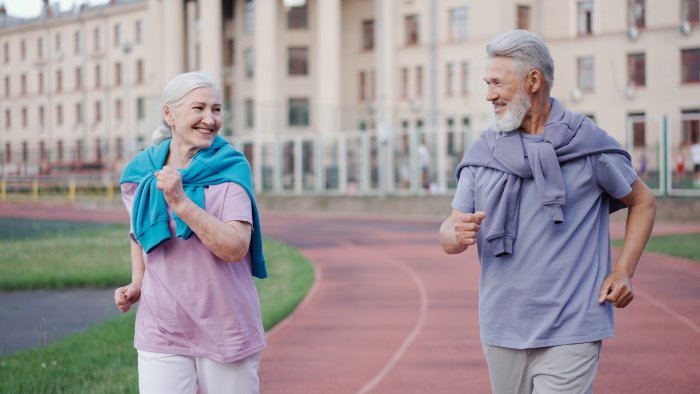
(655, 301)
(414, 333)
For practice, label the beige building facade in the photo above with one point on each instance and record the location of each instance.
(84, 85)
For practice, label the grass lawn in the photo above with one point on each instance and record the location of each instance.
(102, 359)
(680, 245)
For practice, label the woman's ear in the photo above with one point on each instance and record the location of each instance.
(168, 115)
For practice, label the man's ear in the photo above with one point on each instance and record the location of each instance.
(534, 81)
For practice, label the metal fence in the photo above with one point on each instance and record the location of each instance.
(413, 161)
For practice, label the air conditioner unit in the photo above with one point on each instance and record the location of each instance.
(685, 28)
(633, 32)
(294, 3)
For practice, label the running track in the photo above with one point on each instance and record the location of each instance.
(390, 313)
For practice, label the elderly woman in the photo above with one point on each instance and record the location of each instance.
(198, 324)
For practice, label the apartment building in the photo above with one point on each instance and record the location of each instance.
(84, 85)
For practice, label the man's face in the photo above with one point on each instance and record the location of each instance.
(506, 91)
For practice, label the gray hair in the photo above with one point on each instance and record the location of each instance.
(175, 92)
(527, 49)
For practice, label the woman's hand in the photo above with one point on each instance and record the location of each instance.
(126, 296)
(170, 183)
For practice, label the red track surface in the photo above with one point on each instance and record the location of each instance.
(390, 313)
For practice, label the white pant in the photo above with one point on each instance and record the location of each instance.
(175, 374)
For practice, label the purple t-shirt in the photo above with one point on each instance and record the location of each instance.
(193, 303)
(546, 292)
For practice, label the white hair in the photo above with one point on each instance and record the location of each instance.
(173, 94)
(527, 49)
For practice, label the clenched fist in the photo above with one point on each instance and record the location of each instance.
(467, 226)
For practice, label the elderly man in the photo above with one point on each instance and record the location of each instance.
(534, 193)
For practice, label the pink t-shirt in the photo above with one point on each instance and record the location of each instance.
(192, 302)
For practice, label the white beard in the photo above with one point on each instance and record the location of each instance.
(516, 110)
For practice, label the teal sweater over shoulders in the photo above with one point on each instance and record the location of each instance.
(217, 164)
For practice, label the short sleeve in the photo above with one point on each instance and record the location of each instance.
(614, 174)
(237, 205)
(128, 192)
(464, 196)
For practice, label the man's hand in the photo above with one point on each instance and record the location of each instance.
(459, 231)
(170, 182)
(617, 288)
(466, 226)
(126, 296)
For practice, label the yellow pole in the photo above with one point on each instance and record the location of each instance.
(3, 190)
(110, 191)
(35, 189)
(71, 190)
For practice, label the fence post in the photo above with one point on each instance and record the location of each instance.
(110, 191)
(664, 178)
(3, 190)
(35, 189)
(71, 190)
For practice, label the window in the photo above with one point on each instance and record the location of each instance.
(404, 82)
(7, 87)
(229, 10)
(298, 112)
(298, 62)
(78, 41)
(98, 149)
(8, 152)
(40, 82)
(42, 116)
(59, 150)
(139, 71)
(6, 52)
(249, 56)
(523, 17)
(361, 77)
(97, 37)
(690, 69)
(249, 114)
(230, 52)
(585, 17)
(371, 90)
(449, 79)
(98, 76)
(368, 35)
(690, 10)
(117, 35)
(23, 84)
(119, 147)
(419, 81)
(59, 42)
(117, 73)
(691, 126)
(412, 29)
(638, 123)
(78, 150)
(140, 108)
(98, 111)
(118, 109)
(78, 113)
(637, 13)
(22, 50)
(59, 80)
(465, 78)
(458, 24)
(249, 25)
(636, 69)
(78, 78)
(8, 118)
(297, 18)
(40, 48)
(586, 73)
(59, 114)
(25, 151)
(24, 116)
(139, 31)
(42, 150)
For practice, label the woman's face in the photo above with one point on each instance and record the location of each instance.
(196, 119)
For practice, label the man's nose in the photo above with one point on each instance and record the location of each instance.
(491, 95)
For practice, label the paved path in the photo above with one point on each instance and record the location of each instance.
(390, 313)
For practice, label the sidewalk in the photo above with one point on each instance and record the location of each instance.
(391, 313)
